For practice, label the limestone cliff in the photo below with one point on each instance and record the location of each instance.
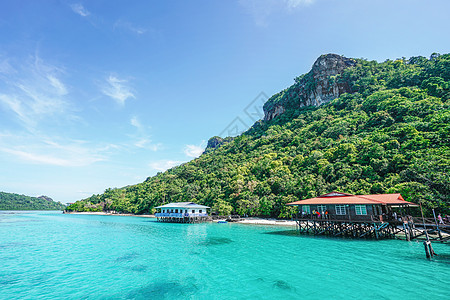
(215, 142)
(314, 88)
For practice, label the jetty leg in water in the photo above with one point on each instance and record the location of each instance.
(429, 252)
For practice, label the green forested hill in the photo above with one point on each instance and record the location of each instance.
(9, 201)
(387, 132)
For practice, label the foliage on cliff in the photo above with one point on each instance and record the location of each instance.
(9, 201)
(391, 134)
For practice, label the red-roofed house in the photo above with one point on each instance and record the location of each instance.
(342, 206)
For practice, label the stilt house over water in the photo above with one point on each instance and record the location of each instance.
(344, 206)
(182, 212)
(344, 214)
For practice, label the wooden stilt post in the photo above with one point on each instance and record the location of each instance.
(407, 236)
(410, 227)
(429, 252)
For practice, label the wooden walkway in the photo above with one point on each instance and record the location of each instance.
(408, 228)
(436, 231)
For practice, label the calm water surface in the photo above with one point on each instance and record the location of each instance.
(48, 255)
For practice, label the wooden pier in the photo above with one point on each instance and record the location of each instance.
(379, 216)
(436, 232)
(405, 228)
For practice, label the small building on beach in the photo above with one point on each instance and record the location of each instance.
(182, 212)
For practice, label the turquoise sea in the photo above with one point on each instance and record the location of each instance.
(49, 255)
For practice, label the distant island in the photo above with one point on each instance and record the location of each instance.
(11, 201)
(348, 125)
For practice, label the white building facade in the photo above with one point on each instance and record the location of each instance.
(182, 212)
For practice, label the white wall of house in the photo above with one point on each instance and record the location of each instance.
(183, 210)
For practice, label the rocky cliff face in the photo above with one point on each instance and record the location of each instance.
(215, 142)
(314, 88)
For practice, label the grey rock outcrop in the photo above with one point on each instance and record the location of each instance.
(215, 142)
(317, 87)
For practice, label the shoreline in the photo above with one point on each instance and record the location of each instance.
(245, 221)
(262, 221)
(102, 213)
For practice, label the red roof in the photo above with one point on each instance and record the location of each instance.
(342, 198)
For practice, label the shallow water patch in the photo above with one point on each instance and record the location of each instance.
(163, 290)
(127, 257)
(283, 285)
(285, 233)
(13, 245)
(215, 241)
(139, 268)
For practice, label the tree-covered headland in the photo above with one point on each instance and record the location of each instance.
(368, 127)
(10, 201)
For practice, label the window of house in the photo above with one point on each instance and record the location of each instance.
(361, 209)
(321, 208)
(306, 209)
(176, 210)
(340, 210)
(200, 211)
(193, 211)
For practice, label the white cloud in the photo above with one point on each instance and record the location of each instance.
(58, 85)
(194, 150)
(5, 67)
(117, 89)
(148, 144)
(141, 137)
(46, 159)
(142, 143)
(34, 91)
(260, 10)
(135, 122)
(163, 165)
(291, 4)
(15, 105)
(40, 149)
(79, 9)
(120, 24)
(35, 104)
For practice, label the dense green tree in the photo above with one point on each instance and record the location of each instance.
(10, 201)
(390, 134)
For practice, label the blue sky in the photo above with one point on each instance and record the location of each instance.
(98, 94)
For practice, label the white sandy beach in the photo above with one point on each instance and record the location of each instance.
(261, 221)
(102, 213)
(249, 220)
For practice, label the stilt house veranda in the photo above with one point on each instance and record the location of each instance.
(348, 207)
